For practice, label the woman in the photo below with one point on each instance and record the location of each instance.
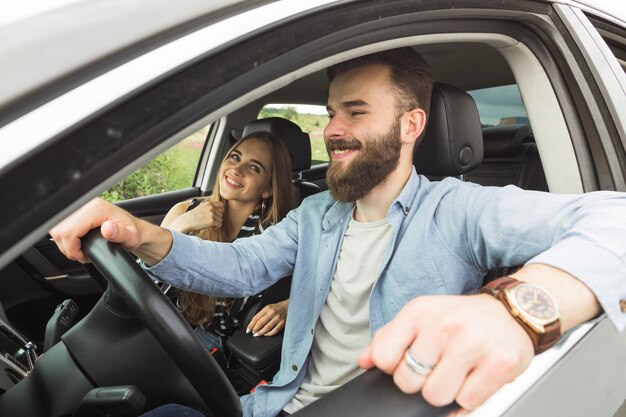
(253, 190)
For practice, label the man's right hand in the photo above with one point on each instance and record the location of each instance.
(149, 242)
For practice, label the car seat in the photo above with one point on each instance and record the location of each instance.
(298, 144)
(452, 142)
(511, 157)
(260, 357)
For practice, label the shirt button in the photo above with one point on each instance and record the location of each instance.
(622, 305)
(406, 209)
(294, 368)
(311, 331)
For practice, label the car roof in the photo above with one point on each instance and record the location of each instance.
(108, 32)
(72, 35)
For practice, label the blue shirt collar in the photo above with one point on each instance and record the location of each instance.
(406, 198)
(403, 202)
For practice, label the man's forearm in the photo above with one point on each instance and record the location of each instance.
(575, 300)
(156, 243)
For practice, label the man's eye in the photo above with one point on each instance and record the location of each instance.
(357, 113)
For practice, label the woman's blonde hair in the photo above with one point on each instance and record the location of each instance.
(198, 308)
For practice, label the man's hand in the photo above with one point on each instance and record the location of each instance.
(472, 342)
(149, 242)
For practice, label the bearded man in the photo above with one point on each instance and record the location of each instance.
(372, 259)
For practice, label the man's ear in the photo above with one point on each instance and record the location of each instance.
(413, 124)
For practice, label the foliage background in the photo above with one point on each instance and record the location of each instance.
(174, 169)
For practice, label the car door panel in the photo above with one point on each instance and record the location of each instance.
(153, 208)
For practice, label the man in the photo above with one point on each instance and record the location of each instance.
(375, 256)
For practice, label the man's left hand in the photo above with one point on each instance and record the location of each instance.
(461, 348)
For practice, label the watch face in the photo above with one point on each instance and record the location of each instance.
(534, 302)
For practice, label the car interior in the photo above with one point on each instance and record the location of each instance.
(534, 154)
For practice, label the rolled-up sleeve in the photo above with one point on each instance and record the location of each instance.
(593, 250)
(584, 235)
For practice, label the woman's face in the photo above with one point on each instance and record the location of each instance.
(246, 174)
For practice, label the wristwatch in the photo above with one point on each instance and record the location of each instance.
(533, 308)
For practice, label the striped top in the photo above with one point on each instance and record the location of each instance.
(227, 315)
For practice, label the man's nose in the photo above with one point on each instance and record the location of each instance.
(335, 128)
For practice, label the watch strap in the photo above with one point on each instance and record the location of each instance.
(541, 341)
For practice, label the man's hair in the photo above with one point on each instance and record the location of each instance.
(410, 74)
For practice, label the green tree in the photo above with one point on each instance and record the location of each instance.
(290, 113)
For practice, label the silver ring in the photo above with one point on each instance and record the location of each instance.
(415, 365)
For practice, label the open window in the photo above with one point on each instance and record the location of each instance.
(311, 118)
(172, 170)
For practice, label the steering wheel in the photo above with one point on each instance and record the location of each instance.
(164, 322)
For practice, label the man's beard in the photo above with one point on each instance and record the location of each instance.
(378, 158)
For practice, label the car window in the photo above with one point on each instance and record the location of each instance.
(499, 106)
(172, 170)
(311, 118)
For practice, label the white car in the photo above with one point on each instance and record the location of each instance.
(92, 91)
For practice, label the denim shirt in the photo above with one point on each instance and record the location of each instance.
(446, 236)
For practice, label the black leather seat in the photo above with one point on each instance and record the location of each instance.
(452, 143)
(298, 144)
(511, 157)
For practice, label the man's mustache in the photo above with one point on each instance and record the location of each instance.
(343, 144)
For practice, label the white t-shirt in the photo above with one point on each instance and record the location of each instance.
(342, 331)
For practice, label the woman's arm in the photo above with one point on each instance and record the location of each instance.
(174, 212)
(207, 214)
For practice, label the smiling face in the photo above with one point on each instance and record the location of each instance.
(246, 173)
(363, 134)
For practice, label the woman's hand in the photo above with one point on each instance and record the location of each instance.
(209, 214)
(270, 320)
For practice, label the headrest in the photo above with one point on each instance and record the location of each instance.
(452, 143)
(505, 141)
(298, 142)
(234, 135)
